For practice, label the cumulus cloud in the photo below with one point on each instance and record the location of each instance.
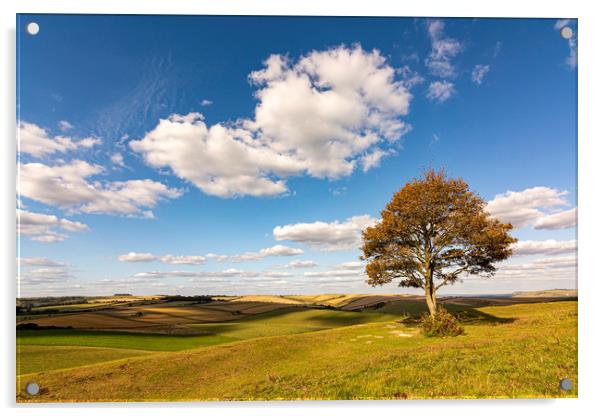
(443, 50)
(67, 186)
(133, 257)
(478, 73)
(36, 141)
(544, 247)
(275, 251)
(317, 116)
(43, 227)
(531, 207)
(326, 236)
(440, 91)
(560, 220)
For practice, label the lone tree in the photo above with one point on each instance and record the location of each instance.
(432, 231)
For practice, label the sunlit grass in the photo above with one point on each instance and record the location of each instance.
(509, 351)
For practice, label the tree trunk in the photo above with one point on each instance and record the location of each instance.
(431, 300)
(429, 291)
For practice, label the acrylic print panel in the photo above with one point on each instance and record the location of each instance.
(295, 208)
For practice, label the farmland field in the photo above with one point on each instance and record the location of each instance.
(298, 347)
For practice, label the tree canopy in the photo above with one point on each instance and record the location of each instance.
(433, 231)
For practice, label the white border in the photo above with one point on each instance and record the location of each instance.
(590, 175)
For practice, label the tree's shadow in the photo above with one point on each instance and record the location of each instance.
(412, 311)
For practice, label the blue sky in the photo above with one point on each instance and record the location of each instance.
(156, 151)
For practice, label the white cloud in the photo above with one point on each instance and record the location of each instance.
(45, 276)
(543, 269)
(352, 265)
(280, 250)
(571, 60)
(275, 251)
(326, 236)
(563, 219)
(531, 207)
(223, 273)
(187, 260)
(333, 273)
(545, 247)
(443, 50)
(276, 274)
(317, 116)
(410, 78)
(478, 73)
(66, 186)
(36, 141)
(39, 261)
(217, 257)
(133, 257)
(300, 264)
(372, 160)
(64, 125)
(206, 103)
(117, 160)
(41, 227)
(440, 91)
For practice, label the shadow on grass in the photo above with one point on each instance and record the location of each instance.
(412, 310)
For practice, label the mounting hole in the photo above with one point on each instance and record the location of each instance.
(32, 28)
(566, 32)
(32, 389)
(566, 384)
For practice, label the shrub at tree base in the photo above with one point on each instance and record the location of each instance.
(442, 324)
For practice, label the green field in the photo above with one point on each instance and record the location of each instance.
(40, 358)
(290, 353)
(290, 321)
(117, 339)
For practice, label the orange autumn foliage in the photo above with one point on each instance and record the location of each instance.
(433, 231)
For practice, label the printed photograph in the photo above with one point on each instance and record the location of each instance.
(262, 208)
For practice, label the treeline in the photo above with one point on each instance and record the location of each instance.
(181, 298)
(24, 305)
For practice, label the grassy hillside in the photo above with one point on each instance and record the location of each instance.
(520, 350)
(558, 293)
(290, 321)
(36, 349)
(36, 358)
(118, 339)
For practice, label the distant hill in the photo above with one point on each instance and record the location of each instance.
(552, 293)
